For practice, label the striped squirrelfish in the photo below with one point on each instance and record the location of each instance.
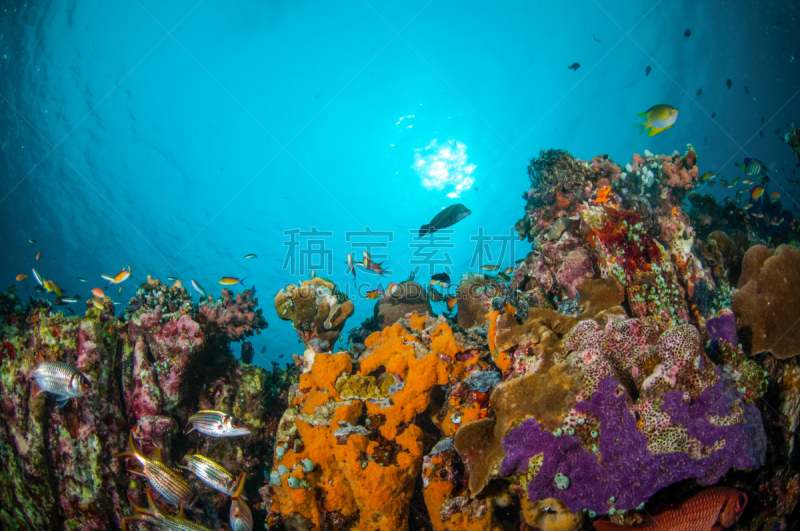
(709, 510)
(58, 378)
(160, 517)
(230, 281)
(658, 118)
(209, 472)
(240, 517)
(217, 424)
(167, 482)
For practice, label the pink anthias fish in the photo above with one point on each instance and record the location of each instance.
(119, 278)
(711, 509)
(369, 265)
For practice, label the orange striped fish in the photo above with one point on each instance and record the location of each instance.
(217, 424)
(240, 517)
(167, 482)
(709, 510)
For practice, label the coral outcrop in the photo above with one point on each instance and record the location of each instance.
(408, 297)
(767, 304)
(318, 311)
(147, 375)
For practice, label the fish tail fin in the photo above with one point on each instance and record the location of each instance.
(133, 451)
(642, 114)
(237, 493)
(242, 281)
(150, 510)
(603, 525)
(644, 126)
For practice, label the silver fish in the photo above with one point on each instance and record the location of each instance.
(58, 378)
(217, 424)
(160, 518)
(168, 482)
(240, 517)
(209, 472)
(199, 289)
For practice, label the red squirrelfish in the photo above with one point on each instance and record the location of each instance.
(217, 424)
(240, 517)
(58, 378)
(160, 517)
(709, 510)
(230, 281)
(169, 483)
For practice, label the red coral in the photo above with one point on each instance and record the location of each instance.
(636, 249)
(683, 173)
(7, 351)
(236, 318)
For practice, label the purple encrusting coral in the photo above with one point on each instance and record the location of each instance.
(722, 327)
(627, 472)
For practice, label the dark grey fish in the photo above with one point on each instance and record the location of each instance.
(647, 71)
(687, 33)
(574, 66)
(444, 277)
(729, 83)
(446, 218)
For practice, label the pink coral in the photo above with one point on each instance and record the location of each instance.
(607, 166)
(236, 318)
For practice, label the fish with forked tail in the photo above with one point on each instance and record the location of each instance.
(711, 509)
(447, 217)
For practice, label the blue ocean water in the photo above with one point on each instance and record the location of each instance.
(178, 137)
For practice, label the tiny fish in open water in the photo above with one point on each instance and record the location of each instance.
(574, 66)
(21, 277)
(199, 289)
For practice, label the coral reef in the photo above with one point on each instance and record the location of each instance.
(236, 317)
(408, 297)
(318, 311)
(767, 304)
(147, 374)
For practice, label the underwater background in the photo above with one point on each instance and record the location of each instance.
(177, 138)
(400, 265)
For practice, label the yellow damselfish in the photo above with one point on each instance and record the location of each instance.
(659, 118)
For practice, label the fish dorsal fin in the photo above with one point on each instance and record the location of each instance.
(181, 514)
(151, 504)
(239, 486)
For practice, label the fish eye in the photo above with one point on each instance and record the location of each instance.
(236, 423)
(741, 502)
